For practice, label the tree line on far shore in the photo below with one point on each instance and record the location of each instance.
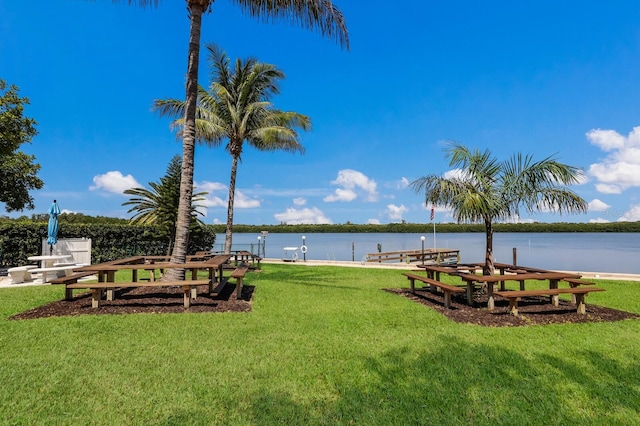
(440, 227)
(341, 228)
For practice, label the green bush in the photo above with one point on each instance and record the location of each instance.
(109, 241)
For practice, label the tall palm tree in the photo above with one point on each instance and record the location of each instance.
(237, 109)
(318, 15)
(159, 205)
(485, 190)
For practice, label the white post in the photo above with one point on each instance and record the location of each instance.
(434, 236)
(259, 238)
(433, 216)
(304, 250)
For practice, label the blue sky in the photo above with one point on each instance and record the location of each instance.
(541, 78)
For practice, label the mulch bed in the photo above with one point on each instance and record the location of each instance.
(156, 300)
(531, 310)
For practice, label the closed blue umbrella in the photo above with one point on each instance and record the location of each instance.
(52, 230)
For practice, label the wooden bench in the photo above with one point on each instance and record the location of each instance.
(97, 288)
(574, 282)
(239, 274)
(578, 292)
(433, 284)
(70, 279)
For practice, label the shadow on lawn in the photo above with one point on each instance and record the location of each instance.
(462, 383)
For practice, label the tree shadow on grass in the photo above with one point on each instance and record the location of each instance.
(462, 383)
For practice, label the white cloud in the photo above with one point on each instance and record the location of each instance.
(454, 174)
(620, 169)
(598, 206)
(294, 216)
(211, 199)
(206, 186)
(373, 222)
(582, 178)
(403, 183)
(114, 182)
(395, 212)
(598, 220)
(608, 189)
(350, 181)
(608, 140)
(241, 200)
(341, 195)
(632, 215)
(300, 201)
(67, 211)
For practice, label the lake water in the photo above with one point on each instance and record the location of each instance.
(593, 252)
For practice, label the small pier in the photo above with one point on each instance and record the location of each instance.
(429, 256)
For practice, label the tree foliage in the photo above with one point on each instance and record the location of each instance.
(18, 170)
(111, 238)
(159, 205)
(483, 190)
(427, 228)
(237, 109)
(317, 15)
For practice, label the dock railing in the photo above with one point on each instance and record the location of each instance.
(430, 256)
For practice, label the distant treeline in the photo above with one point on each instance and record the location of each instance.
(440, 227)
(78, 218)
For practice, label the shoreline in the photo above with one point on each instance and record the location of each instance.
(5, 282)
(409, 266)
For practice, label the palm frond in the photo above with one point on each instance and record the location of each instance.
(320, 15)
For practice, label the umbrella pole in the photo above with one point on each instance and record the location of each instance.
(51, 250)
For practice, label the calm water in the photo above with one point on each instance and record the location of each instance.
(594, 252)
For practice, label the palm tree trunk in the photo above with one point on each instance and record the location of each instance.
(232, 192)
(181, 245)
(488, 258)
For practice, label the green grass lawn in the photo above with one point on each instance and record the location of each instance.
(323, 345)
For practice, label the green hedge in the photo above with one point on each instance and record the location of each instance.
(21, 239)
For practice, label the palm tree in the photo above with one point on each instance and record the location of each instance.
(237, 109)
(159, 205)
(484, 189)
(320, 15)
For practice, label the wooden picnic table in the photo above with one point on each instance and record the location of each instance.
(507, 273)
(106, 271)
(213, 265)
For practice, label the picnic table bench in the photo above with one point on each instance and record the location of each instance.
(239, 274)
(20, 274)
(446, 289)
(71, 279)
(97, 288)
(578, 292)
(574, 282)
(59, 271)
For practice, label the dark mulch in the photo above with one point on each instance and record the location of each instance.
(170, 300)
(149, 300)
(531, 310)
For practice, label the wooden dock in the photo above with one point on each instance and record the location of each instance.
(429, 256)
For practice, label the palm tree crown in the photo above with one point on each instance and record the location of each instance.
(483, 189)
(237, 108)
